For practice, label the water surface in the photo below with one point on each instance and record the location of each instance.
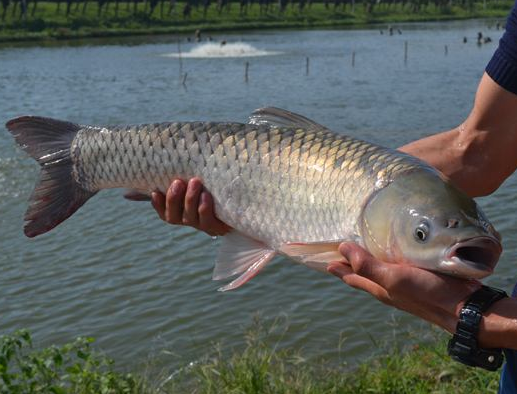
(115, 272)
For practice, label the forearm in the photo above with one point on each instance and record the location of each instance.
(445, 151)
(498, 328)
(480, 154)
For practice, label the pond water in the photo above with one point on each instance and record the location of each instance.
(114, 271)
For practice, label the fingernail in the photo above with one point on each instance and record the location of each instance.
(204, 198)
(177, 186)
(194, 185)
(334, 271)
(344, 250)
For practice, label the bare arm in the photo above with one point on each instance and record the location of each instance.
(481, 153)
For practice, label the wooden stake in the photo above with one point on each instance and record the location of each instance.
(180, 59)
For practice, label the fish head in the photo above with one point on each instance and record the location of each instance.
(421, 219)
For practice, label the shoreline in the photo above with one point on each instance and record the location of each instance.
(56, 28)
(259, 368)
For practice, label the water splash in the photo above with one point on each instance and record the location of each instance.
(216, 50)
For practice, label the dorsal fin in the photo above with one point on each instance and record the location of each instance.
(278, 117)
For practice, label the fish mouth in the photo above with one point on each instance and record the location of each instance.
(473, 258)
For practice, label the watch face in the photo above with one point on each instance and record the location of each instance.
(469, 316)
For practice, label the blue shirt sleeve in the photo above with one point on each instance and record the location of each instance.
(502, 68)
(508, 382)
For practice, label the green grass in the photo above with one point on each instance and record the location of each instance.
(259, 368)
(47, 23)
(263, 369)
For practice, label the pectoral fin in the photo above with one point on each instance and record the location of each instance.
(314, 255)
(240, 254)
(137, 195)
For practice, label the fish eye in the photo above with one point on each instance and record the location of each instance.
(422, 232)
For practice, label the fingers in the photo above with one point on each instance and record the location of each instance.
(158, 202)
(187, 204)
(364, 264)
(207, 220)
(174, 202)
(190, 213)
(345, 272)
(339, 268)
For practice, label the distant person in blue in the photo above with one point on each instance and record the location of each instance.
(477, 156)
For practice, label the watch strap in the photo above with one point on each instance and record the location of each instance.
(484, 297)
(463, 346)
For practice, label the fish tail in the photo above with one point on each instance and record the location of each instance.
(57, 195)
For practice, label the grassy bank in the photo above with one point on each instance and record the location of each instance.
(258, 369)
(62, 20)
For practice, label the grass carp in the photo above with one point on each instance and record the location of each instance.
(284, 183)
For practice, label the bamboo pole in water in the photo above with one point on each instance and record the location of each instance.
(180, 59)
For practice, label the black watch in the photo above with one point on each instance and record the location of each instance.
(463, 346)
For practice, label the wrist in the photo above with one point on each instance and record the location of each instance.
(451, 317)
(498, 328)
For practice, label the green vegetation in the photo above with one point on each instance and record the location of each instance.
(43, 20)
(260, 368)
(72, 368)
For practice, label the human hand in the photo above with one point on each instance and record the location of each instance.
(189, 205)
(433, 297)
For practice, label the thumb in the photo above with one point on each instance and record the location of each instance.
(363, 263)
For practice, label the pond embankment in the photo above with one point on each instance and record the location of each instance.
(42, 21)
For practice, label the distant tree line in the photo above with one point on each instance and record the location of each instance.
(23, 8)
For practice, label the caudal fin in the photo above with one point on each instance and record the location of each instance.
(57, 195)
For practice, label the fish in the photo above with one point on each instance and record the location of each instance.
(285, 184)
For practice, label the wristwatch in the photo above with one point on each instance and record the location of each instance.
(463, 346)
